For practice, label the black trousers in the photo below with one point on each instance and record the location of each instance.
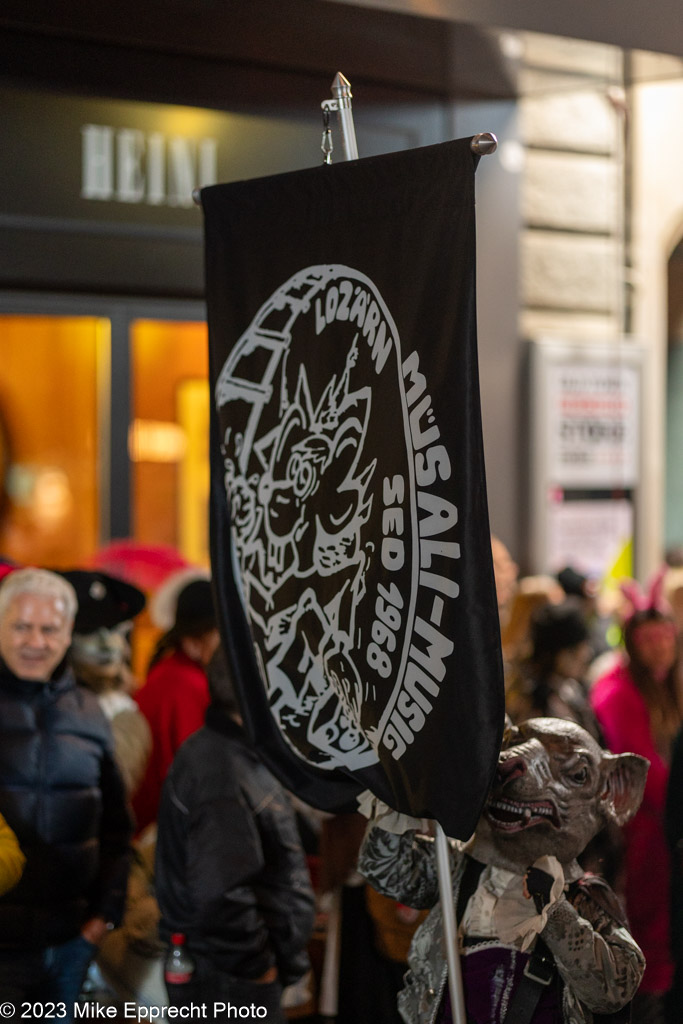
(227, 998)
(369, 983)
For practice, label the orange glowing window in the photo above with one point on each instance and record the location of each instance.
(168, 441)
(54, 383)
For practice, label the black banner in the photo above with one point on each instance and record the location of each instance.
(350, 540)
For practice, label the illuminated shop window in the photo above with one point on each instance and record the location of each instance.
(54, 416)
(169, 435)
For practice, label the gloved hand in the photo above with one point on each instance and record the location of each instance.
(381, 814)
(521, 912)
(537, 887)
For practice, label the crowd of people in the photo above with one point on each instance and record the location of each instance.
(119, 840)
(629, 696)
(138, 822)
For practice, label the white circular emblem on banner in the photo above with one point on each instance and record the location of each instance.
(321, 450)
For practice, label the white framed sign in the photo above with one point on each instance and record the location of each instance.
(585, 454)
(593, 419)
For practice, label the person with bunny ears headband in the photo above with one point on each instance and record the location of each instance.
(638, 706)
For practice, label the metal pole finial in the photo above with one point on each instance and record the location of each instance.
(341, 90)
(484, 143)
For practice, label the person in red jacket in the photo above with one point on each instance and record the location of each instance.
(637, 706)
(175, 695)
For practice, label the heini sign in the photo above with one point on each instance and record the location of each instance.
(125, 165)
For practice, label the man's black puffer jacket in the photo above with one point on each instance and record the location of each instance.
(61, 792)
(230, 870)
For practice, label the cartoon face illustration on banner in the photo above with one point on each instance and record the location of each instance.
(330, 447)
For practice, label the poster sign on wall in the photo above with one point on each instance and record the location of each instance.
(593, 418)
(585, 470)
(592, 535)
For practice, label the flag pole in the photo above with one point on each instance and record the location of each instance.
(481, 144)
(455, 986)
(341, 90)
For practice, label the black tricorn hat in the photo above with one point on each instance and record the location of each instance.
(103, 601)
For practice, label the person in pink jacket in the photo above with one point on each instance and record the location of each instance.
(638, 708)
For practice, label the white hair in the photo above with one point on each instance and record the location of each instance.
(41, 582)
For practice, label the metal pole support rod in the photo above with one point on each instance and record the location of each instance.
(484, 143)
(455, 986)
(341, 90)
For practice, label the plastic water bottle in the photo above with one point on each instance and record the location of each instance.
(179, 965)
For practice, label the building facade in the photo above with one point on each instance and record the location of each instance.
(113, 118)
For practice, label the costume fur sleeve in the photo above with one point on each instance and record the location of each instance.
(402, 867)
(597, 958)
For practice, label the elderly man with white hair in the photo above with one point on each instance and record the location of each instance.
(61, 793)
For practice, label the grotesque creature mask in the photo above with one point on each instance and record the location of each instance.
(554, 789)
